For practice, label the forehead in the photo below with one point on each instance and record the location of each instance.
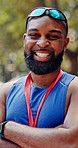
(45, 23)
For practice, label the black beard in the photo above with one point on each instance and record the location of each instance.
(40, 67)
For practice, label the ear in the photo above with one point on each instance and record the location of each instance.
(24, 37)
(66, 43)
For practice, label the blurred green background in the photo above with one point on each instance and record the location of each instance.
(13, 15)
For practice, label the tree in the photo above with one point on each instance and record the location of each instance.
(55, 4)
(42, 2)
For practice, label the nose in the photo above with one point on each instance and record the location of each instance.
(42, 42)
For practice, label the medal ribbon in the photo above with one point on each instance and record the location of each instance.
(33, 122)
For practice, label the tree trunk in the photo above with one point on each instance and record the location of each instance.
(42, 3)
(73, 57)
(54, 4)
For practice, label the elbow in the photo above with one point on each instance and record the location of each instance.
(72, 138)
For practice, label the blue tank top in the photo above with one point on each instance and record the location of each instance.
(52, 113)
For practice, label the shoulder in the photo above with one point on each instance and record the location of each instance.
(72, 93)
(17, 87)
(72, 104)
(73, 87)
(6, 87)
(67, 78)
(20, 81)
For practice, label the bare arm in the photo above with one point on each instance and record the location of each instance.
(7, 144)
(65, 136)
(4, 89)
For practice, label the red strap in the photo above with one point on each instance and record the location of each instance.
(33, 122)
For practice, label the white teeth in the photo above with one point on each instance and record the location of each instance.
(42, 55)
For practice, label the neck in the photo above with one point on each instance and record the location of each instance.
(43, 81)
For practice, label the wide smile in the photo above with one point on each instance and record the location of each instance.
(42, 55)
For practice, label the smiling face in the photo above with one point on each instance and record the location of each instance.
(44, 43)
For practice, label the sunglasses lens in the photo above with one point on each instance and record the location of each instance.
(54, 13)
(51, 12)
(57, 14)
(37, 12)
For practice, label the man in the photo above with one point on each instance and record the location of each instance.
(41, 109)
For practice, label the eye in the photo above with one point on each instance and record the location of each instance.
(34, 35)
(53, 37)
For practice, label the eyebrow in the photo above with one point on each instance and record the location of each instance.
(52, 31)
(57, 31)
(33, 29)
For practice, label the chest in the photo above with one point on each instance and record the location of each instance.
(52, 112)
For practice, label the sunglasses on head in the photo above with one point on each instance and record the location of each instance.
(54, 13)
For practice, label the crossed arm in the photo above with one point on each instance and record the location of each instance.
(64, 136)
(4, 88)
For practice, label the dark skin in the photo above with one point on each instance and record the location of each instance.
(3, 95)
(65, 135)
